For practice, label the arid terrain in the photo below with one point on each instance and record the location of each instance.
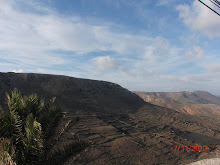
(197, 103)
(120, 127)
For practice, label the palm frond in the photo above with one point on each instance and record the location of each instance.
(66, 127)
(33, 104)
(31, 128)
(11, 126)
(61, 154)
(50, 121)
(32, 141)
(50, 118)
(14, 101)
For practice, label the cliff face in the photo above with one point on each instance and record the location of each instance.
(72, 93)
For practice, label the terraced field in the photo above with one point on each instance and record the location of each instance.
(134, 139)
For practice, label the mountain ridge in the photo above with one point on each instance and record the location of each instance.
(72, 93)
(184, 97)
(199, 103)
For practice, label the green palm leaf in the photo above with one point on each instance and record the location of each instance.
(32, 141)
(33, 104)
(31, 128)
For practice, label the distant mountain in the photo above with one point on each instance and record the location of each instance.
(197, 97)
(194, 103)
(211, 99)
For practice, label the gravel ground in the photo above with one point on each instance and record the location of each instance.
(213, 161)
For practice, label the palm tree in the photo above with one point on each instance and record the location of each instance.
(30, 126)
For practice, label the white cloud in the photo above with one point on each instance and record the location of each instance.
(18, 71)
(159, 49)
(26, 38)
(105, 62)
(29, 37)
(55, 72)
(165, 2)
(29, 31)
(206, 77)
(184, 79)
(198, 78)
(213, 67)
(199, 17)
(195, 52)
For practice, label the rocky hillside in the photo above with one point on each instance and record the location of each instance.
(193, 103)
(119, 126)
(74, 94)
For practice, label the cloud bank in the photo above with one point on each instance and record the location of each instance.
(41, 40)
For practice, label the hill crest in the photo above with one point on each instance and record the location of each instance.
(72, 93)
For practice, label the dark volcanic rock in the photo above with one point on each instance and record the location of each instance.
(72, 93)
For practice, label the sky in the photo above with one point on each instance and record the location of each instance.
(152, 46)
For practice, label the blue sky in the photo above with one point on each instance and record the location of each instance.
(163, 45)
